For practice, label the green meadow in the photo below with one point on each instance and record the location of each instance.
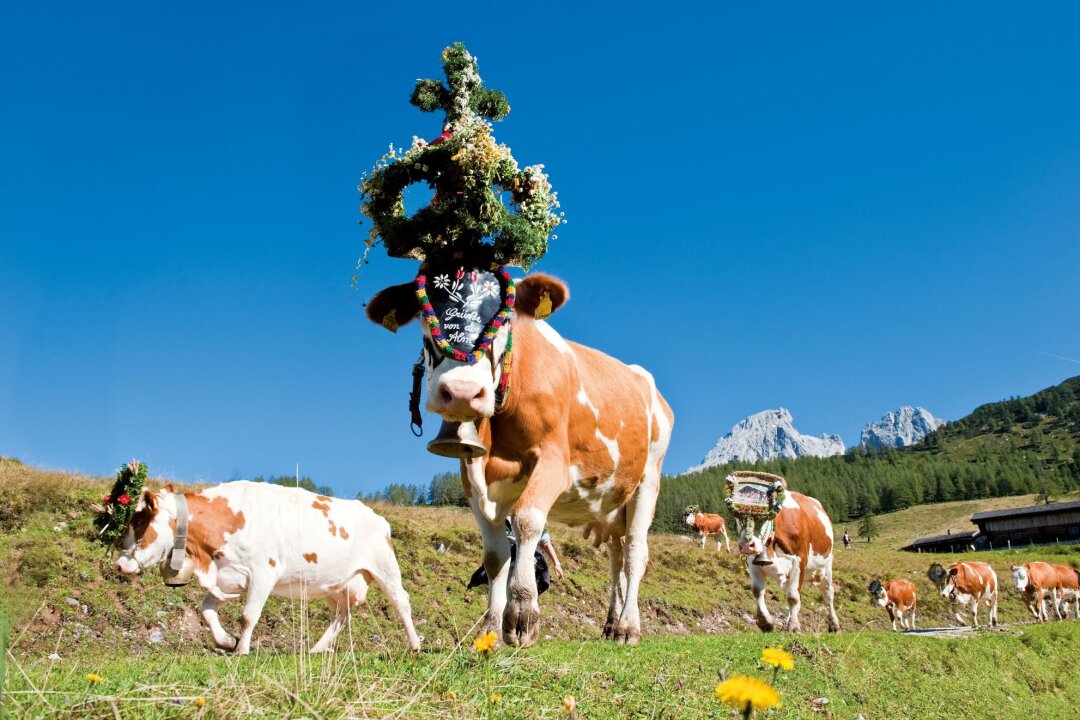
(154, 659)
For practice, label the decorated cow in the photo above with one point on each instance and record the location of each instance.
(898, 597)
(563, 432)
(967, 583)
(786, 536)
(253, 539)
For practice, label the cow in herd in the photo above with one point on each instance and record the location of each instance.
(799, 548)
(580, 438)
(1035, 580)
(706, 524)
(899, 598)
(261, 540)
(967, 583)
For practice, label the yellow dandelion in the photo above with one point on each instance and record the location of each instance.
(485, 643)
(452, 694)
(94, 679)
(495, 697)
(200, 701)
(778, 658)
(747, 693)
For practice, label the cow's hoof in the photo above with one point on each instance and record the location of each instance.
(625, 634)
(521, 624)
(492, 623)
(834, 626)
(229, 646)
(765, 624)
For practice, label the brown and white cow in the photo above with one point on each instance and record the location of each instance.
(967, 583)
(898, 597)
(1068, 590)
(801, 548)
(1035, 581)
(580, 439)
(257, 539)
(706, 524)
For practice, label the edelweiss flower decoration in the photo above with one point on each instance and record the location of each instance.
(470, 172)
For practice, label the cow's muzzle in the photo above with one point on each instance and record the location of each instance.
(461, 400)
(127, 564)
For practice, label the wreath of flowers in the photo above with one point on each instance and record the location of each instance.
(779, 493)
(119, 505)
(470, 174)
(483, 344)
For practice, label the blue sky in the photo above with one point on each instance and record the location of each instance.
(838, 209)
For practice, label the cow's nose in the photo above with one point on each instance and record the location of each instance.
(461, 399)
(746, 548)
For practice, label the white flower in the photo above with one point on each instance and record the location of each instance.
(490, 287)
(442, 282)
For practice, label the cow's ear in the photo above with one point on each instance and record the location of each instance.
(395, 306)
(952, 572)
(167, 489)
(150, 500)
(540, 295)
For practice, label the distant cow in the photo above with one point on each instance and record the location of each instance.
(706, 524)
(580, 438)
(1035, 581)
(967, 583)
(800, 548)
(256, 539)
(898, 597)
(1068, 590)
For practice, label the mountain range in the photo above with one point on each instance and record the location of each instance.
(771, 435)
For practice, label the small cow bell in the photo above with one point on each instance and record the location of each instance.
(458, 440)
(177, 570)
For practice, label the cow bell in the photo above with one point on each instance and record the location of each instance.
(458, 440)
(177, 570)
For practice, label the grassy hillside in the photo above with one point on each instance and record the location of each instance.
(148, 643)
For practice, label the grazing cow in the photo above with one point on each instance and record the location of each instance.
(898, 597)
(580, 438)
(1035, 581)
(800, 547)
(706, 524)
(258, 539)
(965, 583)
(1067, 590)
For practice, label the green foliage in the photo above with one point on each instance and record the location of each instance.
(290, 481)
(119, 505)
(989, 453)
(868, 527)
(470, 174)
(444, 489)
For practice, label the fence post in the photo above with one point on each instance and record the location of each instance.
(1009, 542)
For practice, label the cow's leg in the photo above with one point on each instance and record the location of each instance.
(892, 617)
(704, 536)
(339, 619)
(727, 541)
(975, 612)
(209, 611)
(521, 618)
(618, 585)
(496, 565)
(993, 608)
(639, 516)
(794, 598)
(828, 592)
(387, 574)
(757, 587)
(259, 588)
(1057, 603)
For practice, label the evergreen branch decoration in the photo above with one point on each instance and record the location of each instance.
(119, 505)
(470, 174)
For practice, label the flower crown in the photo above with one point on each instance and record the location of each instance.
(119, 505)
